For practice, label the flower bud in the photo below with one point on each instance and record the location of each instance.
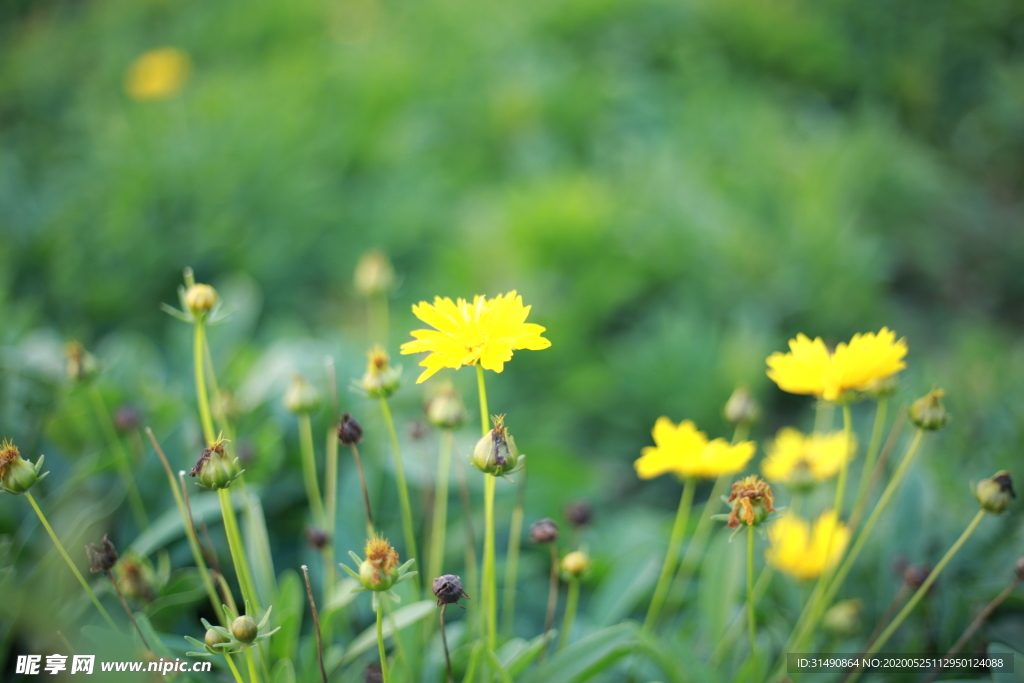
(445, 408)
(843, 618)
(915, 575)
(127, 418)
(102, 557)
(380, 380)
(1018, 569)
(883, 387)
(742, 407)
(579, 513)
(448, 589)
(215, 468)
(245, 629)
(200, 299)
(752, 502)
(575, 563)
(302, 397)
(16, 474)
(350, 432)
(995, 493)
(544, 531)
(214, 640)
(136, 578)
(317, 538)
(496, 451)
(81, 365)
(373, 674)
(928, 412)
(379, 571)
(374, 273)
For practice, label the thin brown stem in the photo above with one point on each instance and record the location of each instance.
(444, 642)
(549, 617)
(210, 557)
(127, 609)
(362, 483)
(316, 623)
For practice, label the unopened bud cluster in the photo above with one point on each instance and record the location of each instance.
(380, 380)
(18, 475)
(928, 412)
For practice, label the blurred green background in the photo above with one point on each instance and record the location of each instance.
(676, 187)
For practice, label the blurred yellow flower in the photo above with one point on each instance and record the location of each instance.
(684, 450)
(809, 368)
(485, 332)
(802, 552)
(794, 458)
(157, 74)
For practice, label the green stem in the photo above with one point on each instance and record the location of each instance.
(874, 447)
(695, 550)
(67, 559)
(199, 342)
(121, 459)
(751, 604)
(331, 512)
(234, 669)
(489, 583)
(439, 521)
(253, 677)
(190, 530)
(380, 638)
(485, 420)
(403, 492)
(922, 590)
(674, 543)
(474, 661)
(237, 549)
(512, 560)
(218, 405)
(571, 602)
(309, 475)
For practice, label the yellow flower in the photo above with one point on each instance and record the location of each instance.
(802, 552)
(687, 452)
(157, 74)
(485, 332)
(797, 459)
(809, 368)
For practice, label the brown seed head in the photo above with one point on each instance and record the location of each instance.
(544, 531)
(102, 557)
(752, 501)
(448, 590)
(350, 432)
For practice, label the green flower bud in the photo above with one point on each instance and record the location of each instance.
(81, 365)
(995, 493)
(928, 412)
(200, 299)
(496, 451)
(374, 273)
(215, 468)
(16, 474)
(843, 618)
(244, 629)
(742, 407)
(882, 388)
(380, 380)
(575, 563)
(215, 640)
(445, 408)
(301, 397)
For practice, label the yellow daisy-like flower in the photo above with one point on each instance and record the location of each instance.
(684, 450)
(809, 368)
(485, 332)
(794, 458)
(157, 74)
(802, 552)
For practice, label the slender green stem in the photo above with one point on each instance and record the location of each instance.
(572, 601)
(489, 582)
(127, 609)
(439, 521)
(67, 559)
(237, 549)
(474, 661)
(922, 590)
(672, 555)
(330, 515)
(380, 638)
(512, 559)
(695, 549)
(219, 415)
(724, 645)
(403, 491)
(234, 669)
(309, 475)
(503, 674)
(121, 459)
(190, 530)
(751, 604)
(469, 551)
(549, 617)
(199, 342)
(253, 676)
(481, 385)
(874, 446)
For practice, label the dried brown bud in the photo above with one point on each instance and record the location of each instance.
(544, 531)
(752, 502)
(1018, 569)
(127, 418)
(914, 576)
(102, 557)
(373, 674)
(350, 432)
(448, 590)
(579, 513)
(317, 537)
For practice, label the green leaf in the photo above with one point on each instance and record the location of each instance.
(289, 605)
(284, 672)
(618, 594)
(402, 618)
(1002, 650)
(587, 656)
(170, 526)
(517, 654)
